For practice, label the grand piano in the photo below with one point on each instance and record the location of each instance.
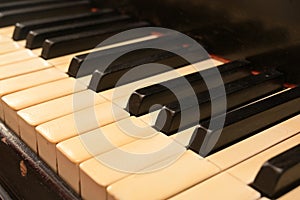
(253, 45)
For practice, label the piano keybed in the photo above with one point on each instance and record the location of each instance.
(37, 104)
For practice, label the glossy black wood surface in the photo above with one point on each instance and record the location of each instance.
(230, 28)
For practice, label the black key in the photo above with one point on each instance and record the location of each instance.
(145, 98)
(92, 63)
(277, 57)
(109, 78)
(238, 93)
(10, 17)
(283, 59)
(280, 174)
(25, 4)
(23, 28)
(64, 45)
(36, 37)
(246, 121)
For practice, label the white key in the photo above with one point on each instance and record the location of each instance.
(37, 52)
(185, 172)
(4, 38)
(62, 67)
(183, 137)
(150, 118)
(85, 80)
(247, 170)
(24, 67)
(7, 47)
(11, 85)
(25, 81)
(19, 100)
(96, 176)
(221, 186)
(33, 116)
(73, 149)
(249, 147)
(72, 152)
(16, 56)
(63, 128)
(7, 31)
(291, 195)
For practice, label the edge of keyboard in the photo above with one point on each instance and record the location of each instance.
(20, 167)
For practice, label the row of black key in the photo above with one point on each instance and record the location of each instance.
(36, 37)
(186, 112)
(245, 121)
(143, 99)
(11, 16)
(22, 29)
(64, 27)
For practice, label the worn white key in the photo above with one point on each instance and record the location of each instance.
(25, 81)
(166, 182)
(7, 47)
(292, 195)
(73, 149)
(249, 147)
(62, 67)
(221, 186)
(126, 90)
(24, 67)
(63, 128)
(7, 31)
(85, 80)
(37, 52)
(17, 56)
(95, 177)
(19, 100)
(247, 170)
(33, 116)
(183, 137)
(96, 174)
(4, 38)
(72, 152)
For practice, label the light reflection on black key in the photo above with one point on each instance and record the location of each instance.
(63, 45)
(24, 4)
(238, 93)
(95, 59)
(246, 121)
(10, 17)
(36, 37)
(22, 28)
(145, 98)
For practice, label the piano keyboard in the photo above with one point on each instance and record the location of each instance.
(256, 156)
